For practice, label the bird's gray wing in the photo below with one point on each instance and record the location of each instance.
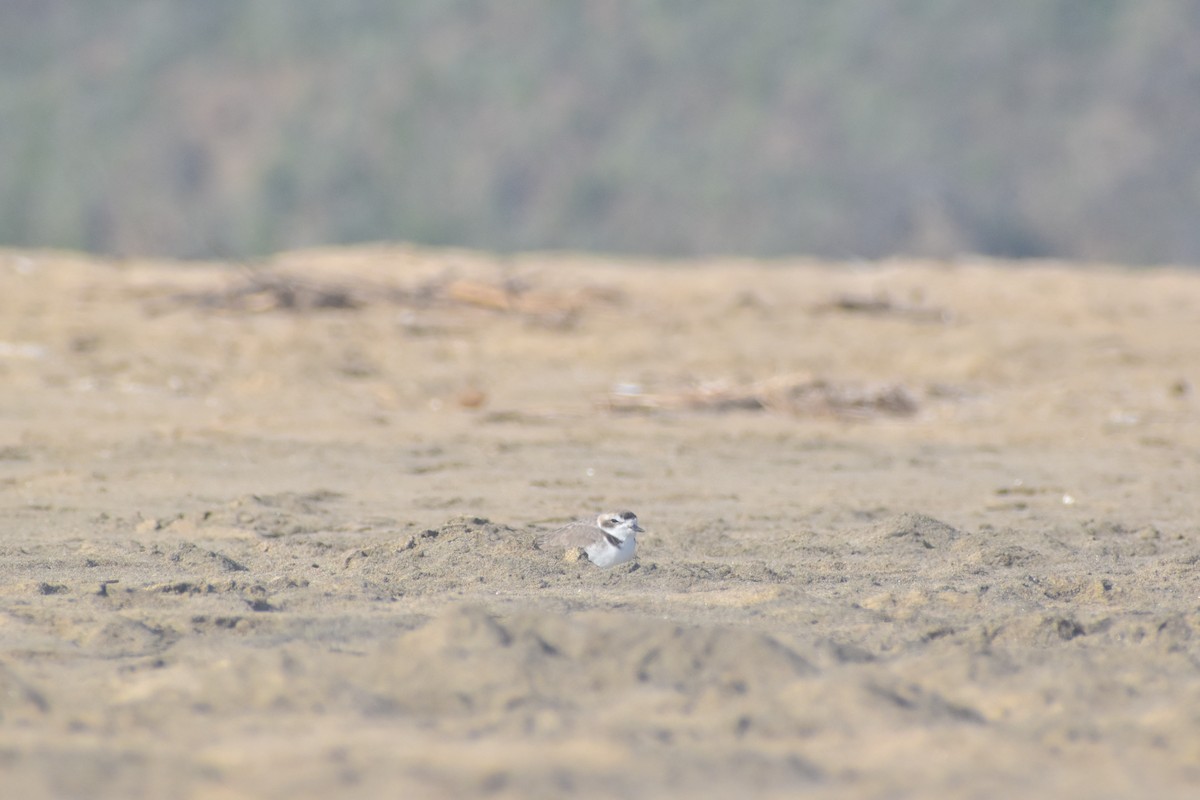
(577, 534)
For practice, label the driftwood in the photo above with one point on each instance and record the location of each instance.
(883, 305)
(789, 394)
(262, 291)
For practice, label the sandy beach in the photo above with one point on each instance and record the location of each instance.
(913, 529)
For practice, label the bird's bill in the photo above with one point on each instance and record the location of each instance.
(637, 528)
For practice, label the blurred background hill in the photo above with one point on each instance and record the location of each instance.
(855, 128)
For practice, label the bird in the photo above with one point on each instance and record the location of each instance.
(610, 540)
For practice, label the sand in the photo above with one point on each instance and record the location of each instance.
(914, 529)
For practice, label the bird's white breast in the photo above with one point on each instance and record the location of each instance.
(603, 554)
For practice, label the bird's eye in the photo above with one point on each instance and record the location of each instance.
(615, 521)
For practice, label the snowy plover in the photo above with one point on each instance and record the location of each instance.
(610, 540)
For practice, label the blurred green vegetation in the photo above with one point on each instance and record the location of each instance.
(845, 128)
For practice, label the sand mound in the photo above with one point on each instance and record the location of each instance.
(464, 553)
(912, 529)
